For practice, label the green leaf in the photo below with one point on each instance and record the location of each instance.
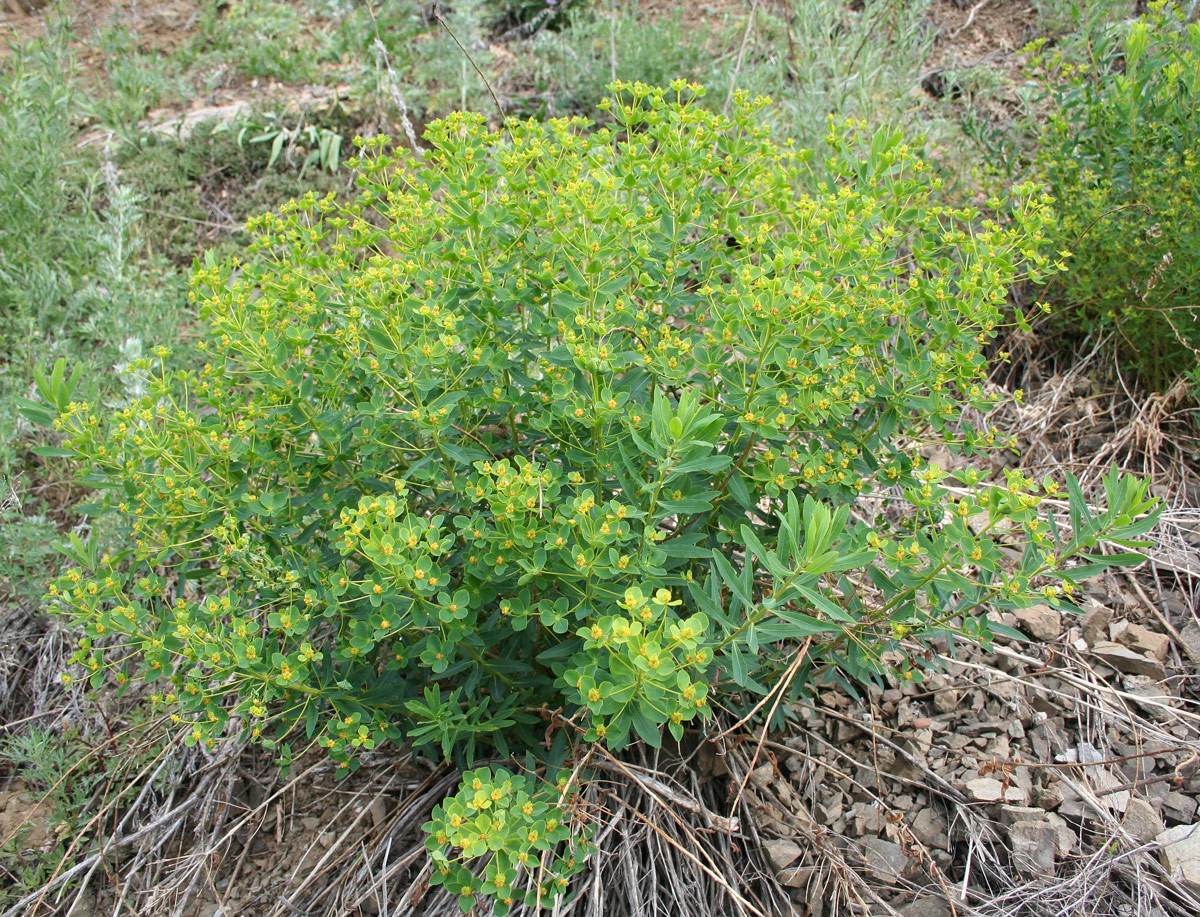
(673, 547)
(574, 274)
(1003, 630)
(731, 579)
(825, 604)
(1082, 572)
(767, 558)
(276, 148)
(649, 731)
(802, 625)
(739, 491)
(710, 607)
(1117, 560)
(686, 505)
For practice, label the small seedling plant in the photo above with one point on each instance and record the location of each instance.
(553, 437)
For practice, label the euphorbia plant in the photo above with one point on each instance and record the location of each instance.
(563, 425)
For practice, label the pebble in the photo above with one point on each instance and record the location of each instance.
(945, 701)
(1010, 815)
(1095, 621)
(1179, 808)
(867, 818)
(1033, 847)
(988, 789)
(1190, 634)
(1126, 660)
(887, 860)
(1142, 822)
(378, 810)
(930, 829)
(1065, 837)
(1143, 640)
(1180, 853)
(1039, 621)
(1157, 696)
(926, 907)
(796, 876)
(983, 728)
(782, 852)
(763, 776)
(1049, 797)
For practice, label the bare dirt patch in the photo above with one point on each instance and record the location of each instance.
(163, 25)
(25, 817)
(989, 32)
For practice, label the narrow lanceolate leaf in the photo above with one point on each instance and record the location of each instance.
(732, 579)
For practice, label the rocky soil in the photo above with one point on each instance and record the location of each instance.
(1060, 775)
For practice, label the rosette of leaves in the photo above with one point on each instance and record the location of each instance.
(556, 431)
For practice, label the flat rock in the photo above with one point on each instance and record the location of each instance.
(796, 876)
(985, 727)
(926, 907)
(1179, 807)
(1180, 853)
(1010, 815)
(1095, 621)
(988, 789)
(826, 813)
(1145, 641)
(1033, 847)
(1123, 659)
(887, 860)
(1039, 621)
(782, 852)
(763, 776)
(945, 701)
(1157, 700)
(1141, 821)
(930, 829)
(1104, 795)
(867, 818)
(1049, 797)
(1065, 838)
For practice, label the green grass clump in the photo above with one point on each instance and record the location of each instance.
(82, 786)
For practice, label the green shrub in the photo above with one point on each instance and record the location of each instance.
(556, 431)
(1121, 155)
